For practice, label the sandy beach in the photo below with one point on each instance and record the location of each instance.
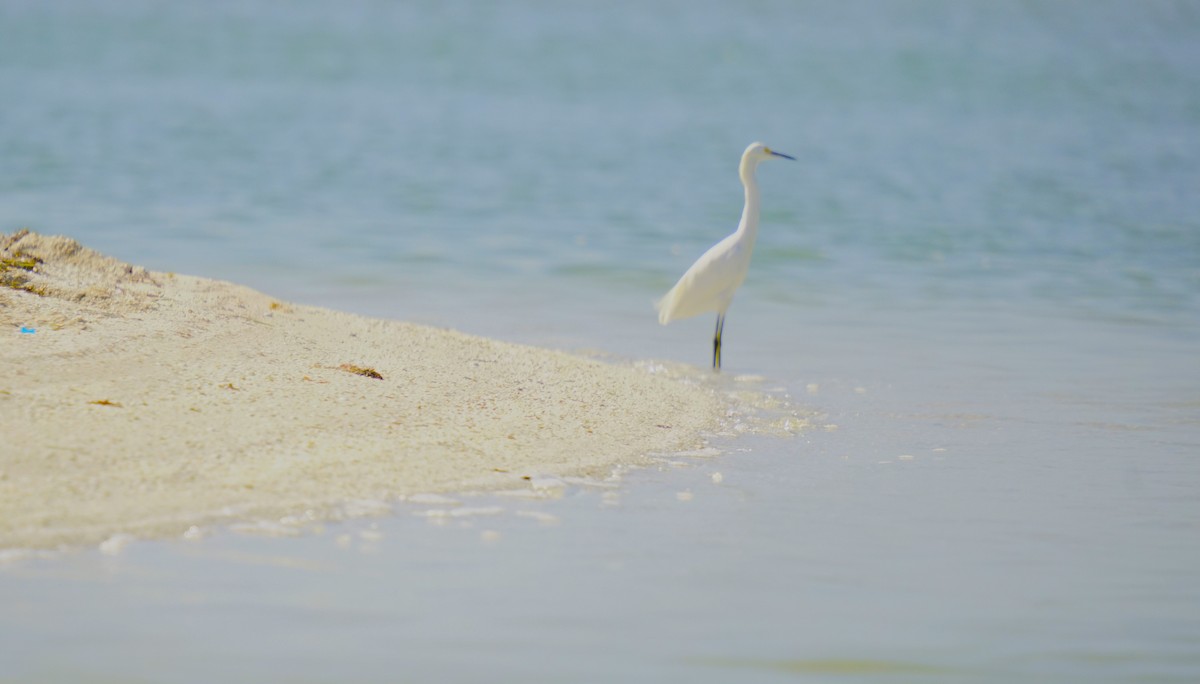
(143, 403)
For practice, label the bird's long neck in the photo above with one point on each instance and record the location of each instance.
(749, 223)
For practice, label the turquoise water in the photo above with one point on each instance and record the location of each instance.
(984, 269)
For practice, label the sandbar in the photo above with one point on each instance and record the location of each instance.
(143, 403)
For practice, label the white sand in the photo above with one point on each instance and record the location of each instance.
(148, 402)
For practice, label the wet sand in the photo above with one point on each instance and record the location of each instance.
(143, 403)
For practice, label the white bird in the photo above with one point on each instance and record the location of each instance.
(710, 283)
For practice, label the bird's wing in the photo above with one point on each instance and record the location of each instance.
(708, 285)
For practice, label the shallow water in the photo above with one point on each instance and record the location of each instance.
(982, 275)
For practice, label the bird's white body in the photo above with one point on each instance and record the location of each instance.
(710, 282)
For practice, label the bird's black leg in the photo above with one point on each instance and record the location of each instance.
(717, 342)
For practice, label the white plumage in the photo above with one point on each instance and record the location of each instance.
(710, 282)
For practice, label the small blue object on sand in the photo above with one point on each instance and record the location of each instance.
(28, 331)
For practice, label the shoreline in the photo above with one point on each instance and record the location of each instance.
(143, 403)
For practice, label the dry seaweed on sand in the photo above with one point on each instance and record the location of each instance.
(360, 370)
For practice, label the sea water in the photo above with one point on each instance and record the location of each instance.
(980, 278)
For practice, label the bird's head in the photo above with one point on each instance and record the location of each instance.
(760, 152)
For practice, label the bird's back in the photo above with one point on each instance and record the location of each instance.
(710, 283)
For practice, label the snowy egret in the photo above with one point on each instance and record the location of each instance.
(710, 283)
